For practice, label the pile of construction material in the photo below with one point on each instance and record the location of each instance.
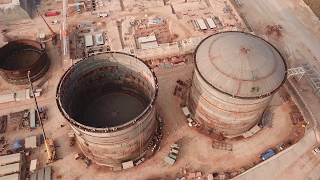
(82, 157)
(3, 144)
(156, 139)
(191, 175)
(221, 145)
(30, 118)
(3, 123)
(19, 95)
(190, 121)
(72, 138)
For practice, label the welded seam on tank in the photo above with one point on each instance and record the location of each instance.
(114, 134)
(198, 86)
(150, 125)
(200, 97)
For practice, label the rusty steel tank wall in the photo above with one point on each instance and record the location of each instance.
(223, 113)
(111, 145)
(111, 148)
(20, 56)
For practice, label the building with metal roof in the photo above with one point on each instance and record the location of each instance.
(236, 74)
(15, 176)
(10, 169)
(10, 159)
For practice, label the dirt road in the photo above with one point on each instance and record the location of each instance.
(300, 43)
(301, 28)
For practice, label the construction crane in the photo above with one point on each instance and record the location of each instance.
(64, 32)
(49, 144)
(53, 34)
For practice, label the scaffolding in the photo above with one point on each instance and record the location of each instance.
(297, 71)
(313, 77)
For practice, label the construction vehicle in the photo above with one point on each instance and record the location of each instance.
(268, 154)
(53, 36)
(49, 144)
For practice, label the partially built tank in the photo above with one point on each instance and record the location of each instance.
(20, 56)
(234, 80)
(109, 101)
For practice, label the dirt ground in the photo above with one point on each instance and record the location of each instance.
(196, 151)
(314, 5)
(299, 43)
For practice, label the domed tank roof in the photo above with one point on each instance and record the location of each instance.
(240, 64)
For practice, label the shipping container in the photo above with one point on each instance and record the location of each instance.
(201, 24)
(169, 160)
(99, 39)
(127, 165)
(32, 118)
(88, 40)
(186, 111)
(211, 23)
(52, 13)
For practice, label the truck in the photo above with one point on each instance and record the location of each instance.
(267, 154)
(103, 14)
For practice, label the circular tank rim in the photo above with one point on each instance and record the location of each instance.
(109, 129)
(35, 44)
(235, 96)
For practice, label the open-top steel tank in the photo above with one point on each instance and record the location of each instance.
(20, 56)
(109, 101)
(235, 77)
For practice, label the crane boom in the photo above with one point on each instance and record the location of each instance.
(48, 142)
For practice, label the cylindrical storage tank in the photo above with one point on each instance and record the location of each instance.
(109, 101)
(235, 77)
(20, 56)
